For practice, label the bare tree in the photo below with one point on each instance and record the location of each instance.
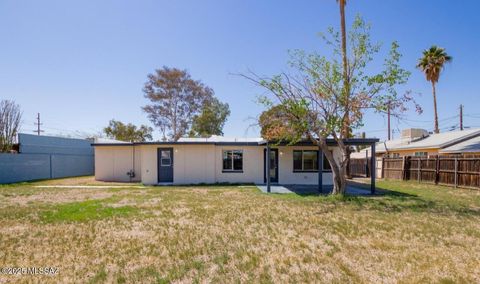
(10, 120)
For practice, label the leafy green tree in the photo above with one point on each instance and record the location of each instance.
(175, 100)
(128, 132)
(431, 64)
(211, 120)
(309, 102)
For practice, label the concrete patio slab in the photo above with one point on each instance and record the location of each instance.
(312, 189)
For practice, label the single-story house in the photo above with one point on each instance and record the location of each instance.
(216, 160)
(418, 142)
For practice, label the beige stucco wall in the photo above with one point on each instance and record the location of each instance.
(149, 164)
(402, 153)
(199, 164)
(113, 162)
(194, 164)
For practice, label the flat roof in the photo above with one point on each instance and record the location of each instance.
(253, 142)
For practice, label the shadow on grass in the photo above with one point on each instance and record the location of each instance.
(385, 200)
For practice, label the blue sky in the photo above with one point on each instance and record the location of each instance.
(82, 63)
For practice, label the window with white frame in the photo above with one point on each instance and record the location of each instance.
(232, 161)
(421, 154)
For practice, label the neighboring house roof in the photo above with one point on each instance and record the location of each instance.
(107, 140)
(469, 146)
(433, 141)
(441, 140)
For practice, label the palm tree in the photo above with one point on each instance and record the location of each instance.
(346, 86)
(431, 64)
(346, 81)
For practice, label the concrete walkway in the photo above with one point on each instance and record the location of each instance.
(90, 186)
(312, 189)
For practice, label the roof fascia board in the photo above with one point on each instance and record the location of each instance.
(330, 142)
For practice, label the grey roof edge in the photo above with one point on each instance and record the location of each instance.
(462, 139)
(330, 141)
(178, 143)
(438, 146)
(351, 141)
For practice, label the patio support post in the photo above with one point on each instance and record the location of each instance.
(373, 170)
(320, 170)
(267, 156)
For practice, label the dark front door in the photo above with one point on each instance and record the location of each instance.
(165, 165)
(273, 165)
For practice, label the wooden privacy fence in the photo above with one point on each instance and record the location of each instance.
(445, 170)
(360, 167)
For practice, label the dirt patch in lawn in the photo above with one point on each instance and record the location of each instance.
(59, 196)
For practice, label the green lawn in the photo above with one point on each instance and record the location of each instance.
(413, 233)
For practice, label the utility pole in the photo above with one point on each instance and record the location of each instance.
(388, 114)
(461, 117)
(38, 125)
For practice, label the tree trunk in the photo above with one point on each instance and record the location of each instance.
(347, 169)
(338, 172)
(338, 169)
(339, 183)
(436, 130)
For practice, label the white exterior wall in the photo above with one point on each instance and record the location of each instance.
(200, 164)
(113, 162)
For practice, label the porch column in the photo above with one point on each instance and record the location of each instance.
(373, 169)
(320, 170)
(267, 156)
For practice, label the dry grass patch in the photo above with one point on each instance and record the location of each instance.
(237, 234)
